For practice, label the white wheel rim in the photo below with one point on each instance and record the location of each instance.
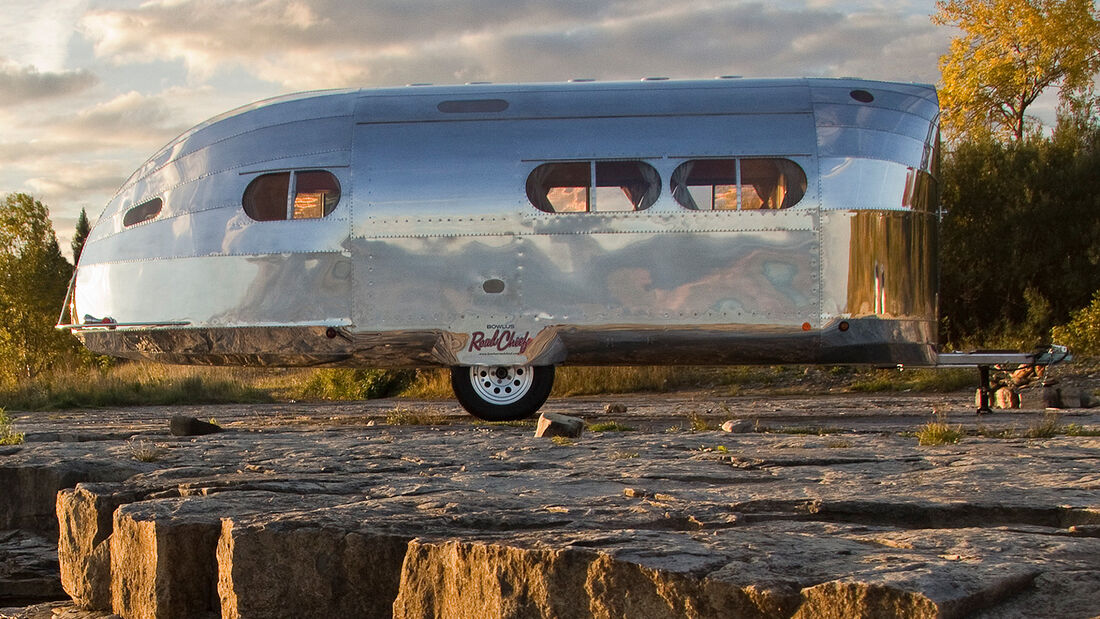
(501, 384)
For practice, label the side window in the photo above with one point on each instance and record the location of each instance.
(311, 194)
(738, 184)
(593, 186)
(143, 212)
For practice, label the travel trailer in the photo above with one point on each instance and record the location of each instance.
(504, 230)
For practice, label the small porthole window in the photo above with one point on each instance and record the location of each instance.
(143, 212)
(307, 194)
(738, 184)
(593, 186)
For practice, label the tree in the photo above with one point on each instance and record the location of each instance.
(81, 235)
(1021, 238)
(1009, 52)
(34, 279)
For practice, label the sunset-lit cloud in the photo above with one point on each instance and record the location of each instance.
(89, 89)
(24, 84)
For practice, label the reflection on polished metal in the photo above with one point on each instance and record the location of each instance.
(431, 251)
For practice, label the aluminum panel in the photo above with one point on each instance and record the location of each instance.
(590, 100)
(873, 118)
(917, 99)
(219, 291)
(760, 277)
(433, 282)
(850, 183)
(480, 168)
(836, 142)
(879, 263)
(267, 113)
(258, 149)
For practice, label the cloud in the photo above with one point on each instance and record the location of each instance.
(128, 118)
(23, 84)
(333, 43)
(79, 182)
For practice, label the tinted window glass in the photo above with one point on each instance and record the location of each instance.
(265, 197)
(732, 184)
(569, 187)
(269, 197)
(142, 212)
(315, 194)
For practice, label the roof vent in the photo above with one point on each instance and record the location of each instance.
(862, 96)
(472, 106)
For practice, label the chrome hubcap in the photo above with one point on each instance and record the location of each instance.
(501, 384)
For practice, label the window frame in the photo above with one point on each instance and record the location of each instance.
(248, 199)
(739, 184)
(533, 188)
(142, 213)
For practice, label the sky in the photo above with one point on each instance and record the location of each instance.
(90, 89)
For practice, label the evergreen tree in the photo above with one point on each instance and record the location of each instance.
(34, 279)
(81, 235)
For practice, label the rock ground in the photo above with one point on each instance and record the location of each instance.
(326, 510)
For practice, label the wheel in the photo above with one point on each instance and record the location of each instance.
(502, 392)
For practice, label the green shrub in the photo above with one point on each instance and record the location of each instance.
(1082, 332)
(357, 383)
(8, 435)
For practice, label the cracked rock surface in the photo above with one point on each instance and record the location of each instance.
(328, 511)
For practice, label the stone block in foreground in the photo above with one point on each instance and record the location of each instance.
(161, 563)
(309, 570)
(553, 424)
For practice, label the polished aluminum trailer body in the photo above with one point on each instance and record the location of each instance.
(437, 251)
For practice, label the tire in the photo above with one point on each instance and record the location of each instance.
(502, 393)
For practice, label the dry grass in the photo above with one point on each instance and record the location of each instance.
(8, 435)
(407, 417)
(145, 452)
(939, 432)
(609, 426)
(137, 383)
(1047, 427)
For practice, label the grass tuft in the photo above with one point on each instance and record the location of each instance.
(920, 380)
(1075, 429)
(408, 417)
(1048, 427)
(609, 426)
(939, 432)
(8, 435)
(145, 452)
(701, 423)
(804, 430)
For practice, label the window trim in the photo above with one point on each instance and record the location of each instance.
(292, 194)
(674, 182)
(142, 213)
(645, 201)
